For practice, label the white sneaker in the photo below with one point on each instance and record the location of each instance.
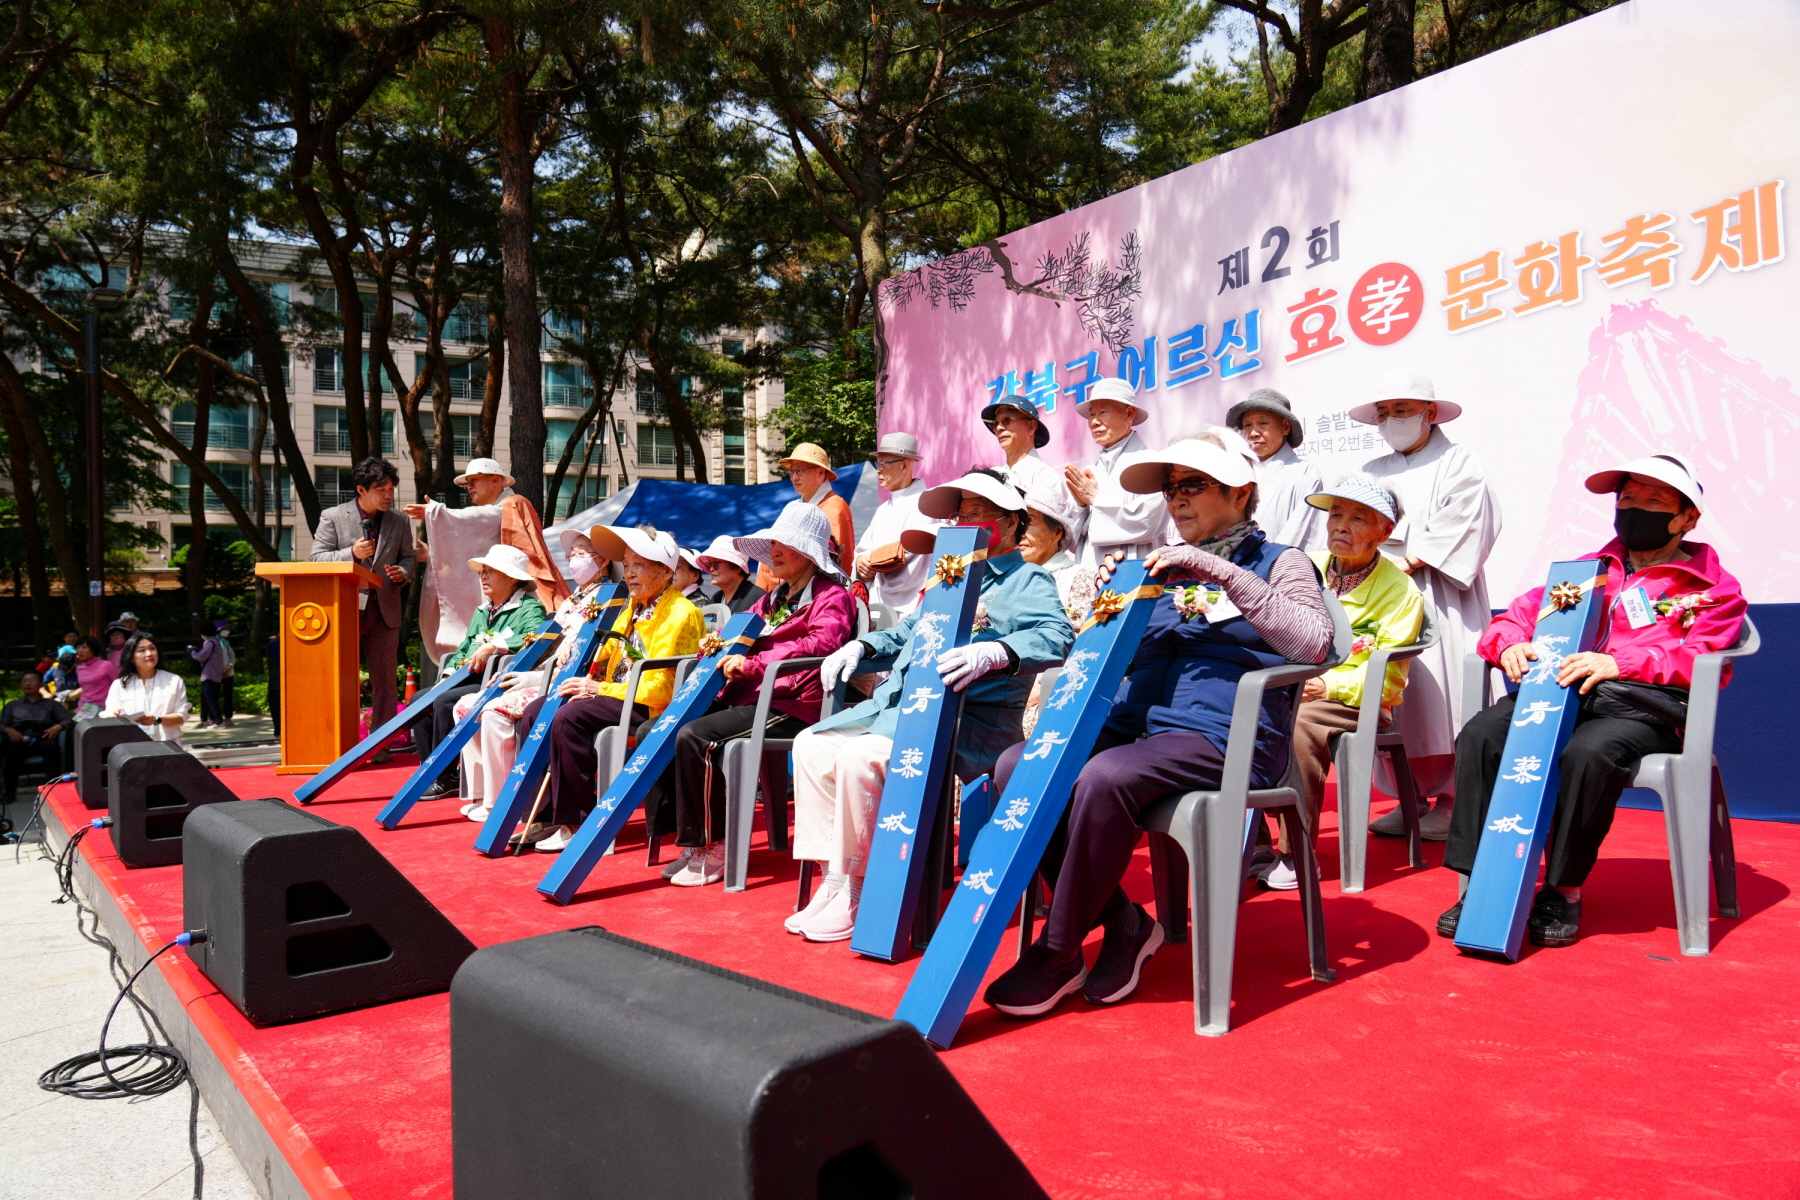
(682, 854)
(1284, 877)
(704, 867)
(477, 811)
(555, 841)
(835, 922)
(796, 923)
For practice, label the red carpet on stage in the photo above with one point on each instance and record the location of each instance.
(1612, 1068)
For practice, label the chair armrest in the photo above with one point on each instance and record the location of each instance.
(631, 684)
(1703, 693)
(1476, 674)
(1240, 743)
(765, 697)
(1368, 715)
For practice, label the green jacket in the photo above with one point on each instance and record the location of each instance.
(520, 615)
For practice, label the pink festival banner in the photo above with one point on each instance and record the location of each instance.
(1582, 240)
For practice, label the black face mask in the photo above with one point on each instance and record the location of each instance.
(1641, 530)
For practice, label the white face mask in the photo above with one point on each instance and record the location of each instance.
(1403, 433)
(585, 568)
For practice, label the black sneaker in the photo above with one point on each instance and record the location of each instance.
(1447, 923)
(1555, 919)
(1036, 983)
(1128, 946)
(446, 785)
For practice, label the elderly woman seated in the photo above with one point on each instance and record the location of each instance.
(658, 622)
(808, 615)
(840, 764)
(729, 571)
(1385, 610)
(488, 757)
(1246, 603)
(1667, 600)
(500, 626)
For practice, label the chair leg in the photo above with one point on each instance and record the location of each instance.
(1353, 789)
(1411, 804)
(1028, 915)
(1312, 901)
(1215, 885)
(806, 885)
(740, 811)
(1724, 856)
(776, 785)
(1169, 884)
(1689, 820)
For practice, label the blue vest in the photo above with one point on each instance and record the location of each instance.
(1185, 676)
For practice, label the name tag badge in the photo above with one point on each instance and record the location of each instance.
(1636, 603)
(1222, 610)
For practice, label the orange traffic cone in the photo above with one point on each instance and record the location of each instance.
(412, 686)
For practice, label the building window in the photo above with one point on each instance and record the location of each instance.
(236, 478)
(246, 364)
(732, 348)
(656, 447)
(734, 451)
(565, 384)
(649, 396)
(592, 493)
(467, 323)
(463, 428)
(325, 371)
(226, 428)
(334, 485)
(331, 430)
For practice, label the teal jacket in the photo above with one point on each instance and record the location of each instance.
(520, 615)
(1023, 611)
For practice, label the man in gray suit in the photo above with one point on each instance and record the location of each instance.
(368, 531)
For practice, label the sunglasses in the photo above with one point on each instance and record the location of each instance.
(1191, 486)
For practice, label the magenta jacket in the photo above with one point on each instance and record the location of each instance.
(824, 625)
(1662, 651)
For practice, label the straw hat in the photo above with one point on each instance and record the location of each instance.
(802, 528)
(612, 541)
(508, 560)
(723, 549)
(808, 455)
(482, 466)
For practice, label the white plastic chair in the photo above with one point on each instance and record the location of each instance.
(715, 615)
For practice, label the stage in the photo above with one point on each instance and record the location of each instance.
(1612, 1068)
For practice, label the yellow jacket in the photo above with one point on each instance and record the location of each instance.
(673, 627)
(1385, 610)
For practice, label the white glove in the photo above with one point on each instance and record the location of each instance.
(965, 664)
(840, 665)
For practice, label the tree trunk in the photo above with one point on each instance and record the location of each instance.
(69, 560)
(518, 261)
(490, 392)
(1387, 58)
(265, 341)
(194, 574)
(37, 570)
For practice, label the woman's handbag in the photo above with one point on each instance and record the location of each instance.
(885, 560)
(1629, 700)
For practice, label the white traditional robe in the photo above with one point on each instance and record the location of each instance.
(1118, 520)
(1033, 471)
(452, 592)
(1283, 482)
(1450, 521)
(899, 590)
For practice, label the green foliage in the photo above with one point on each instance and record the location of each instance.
(230, 563)
(831, 402)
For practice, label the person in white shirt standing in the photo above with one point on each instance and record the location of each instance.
(893, 576)
(1117, 521)
(1021, 432)
(1283, 479)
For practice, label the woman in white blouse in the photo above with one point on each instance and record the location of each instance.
(155, 699)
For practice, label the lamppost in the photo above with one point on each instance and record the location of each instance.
(100, 300)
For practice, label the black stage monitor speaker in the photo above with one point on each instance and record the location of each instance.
(93, 740)
(151, 788)
(303, 916)
(584, 1064)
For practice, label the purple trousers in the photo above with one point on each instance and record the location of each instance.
(1093, 846)
(574, 766)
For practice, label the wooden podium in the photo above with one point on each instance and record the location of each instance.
(320, 637)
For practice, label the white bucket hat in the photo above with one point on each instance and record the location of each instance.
(482, 466)
(508, 560)
(1405, 387)
(802, 528)
(1146, 472)
(724, 549)
(1119, 390)
(1054, 502)
(1359, 489)
(612, 541)
(900, 445)
(1671, 469)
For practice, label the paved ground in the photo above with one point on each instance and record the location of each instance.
(54, 993)
(247, 727)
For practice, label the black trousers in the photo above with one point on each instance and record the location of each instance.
(17, 752)
(433, 727)
(574, 767)
(1596, 765)
(1091, 850)
(700, 756)
(210, 711)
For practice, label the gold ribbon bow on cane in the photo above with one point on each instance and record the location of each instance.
(1566, 595)
(593, 609)
(712, 643)
(950, 568)
(1109, 604)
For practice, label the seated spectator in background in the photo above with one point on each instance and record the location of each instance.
(1170, 721)
(1667, 600)
(690, 579)
(729, 571)
(141, 692)
(1385, 610)
(1284, 480)
(60, 679)
(488, 757)
(210, 654)
(659, 622)
(808, 615)
(499, 627)
(32, 724)
(94, 675)
(840, 764)
(116, 637)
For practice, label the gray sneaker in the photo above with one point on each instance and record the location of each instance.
(683, 853)
(1434, 826)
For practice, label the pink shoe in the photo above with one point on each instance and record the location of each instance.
(796, 923)
(835, 922)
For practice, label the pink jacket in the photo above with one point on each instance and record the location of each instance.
(824, 625)
(1662, 651)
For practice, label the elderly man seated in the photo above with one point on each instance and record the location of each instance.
(658, 622)
(840, 764)
(499, 626)
(1667, 600)
(1385, 610)
(488, 757)
(1244, 603)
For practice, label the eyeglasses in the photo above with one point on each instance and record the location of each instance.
(885, 463)
(1193, 485)
(1009, 422)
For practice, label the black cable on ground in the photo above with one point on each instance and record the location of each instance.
(152, 1067)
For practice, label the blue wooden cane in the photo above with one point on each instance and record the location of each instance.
(446, 751)
(534, 752)
(364, 750)
(654, 752)
(1524, 798)
(1012, 842)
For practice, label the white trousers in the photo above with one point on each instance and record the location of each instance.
(487, 758)
(838, 777)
